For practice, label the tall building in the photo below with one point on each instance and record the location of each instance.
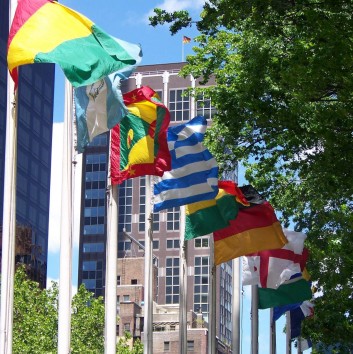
(164, 79)
(34, 136)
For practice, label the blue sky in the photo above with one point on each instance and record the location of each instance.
(129, 22)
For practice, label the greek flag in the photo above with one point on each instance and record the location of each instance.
(194, 173)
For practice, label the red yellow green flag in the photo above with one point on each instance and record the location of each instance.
(255, 228)
(207, 216)
(45, 31)
(139, 143)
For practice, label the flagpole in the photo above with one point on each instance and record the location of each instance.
(272, 333)
(212, 302)
(236, 306)
(183, 285)
(254, 320)
(288, 334)
(65, 280)
(299, 341)
(148, 300)
(111, 270)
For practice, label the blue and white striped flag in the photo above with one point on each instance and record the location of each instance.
(100, 106)
(194, 173)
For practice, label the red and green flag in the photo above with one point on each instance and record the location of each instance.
(256, 228)
(139, 143)
(207, 216)
(45, 31)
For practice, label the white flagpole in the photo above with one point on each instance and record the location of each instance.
(254, 320)
(236, 306)
(111, 272)
(272, 333)
(288, 334)
(9, 213)
(65, 280)
(183, 285)
(212, 302)
(148, 300)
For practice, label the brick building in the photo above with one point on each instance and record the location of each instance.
(164, 79)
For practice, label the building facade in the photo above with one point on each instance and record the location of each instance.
(34, 136)
(172, 89)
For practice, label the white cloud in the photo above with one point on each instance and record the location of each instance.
(56, 192)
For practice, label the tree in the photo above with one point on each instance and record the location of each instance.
(35, 322)
(283, 95)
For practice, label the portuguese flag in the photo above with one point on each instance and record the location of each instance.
(139, 143)
(45, 31)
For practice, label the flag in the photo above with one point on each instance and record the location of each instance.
(307, 308)
(194, 173)
(256, 228)
(186, 39)
(271, 268)
(204, 217)
(295, 290)
(45, 31)
(297, 315)
(139, 143)
(305, 344)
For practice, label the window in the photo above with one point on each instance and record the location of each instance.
(190, 345)
(133, 281)
(173, 216)
(127, 327)
(201, 285)
(125, 206)
(118, 280)
(118, 300)
(166, 346)
(124, 245)
(202, 242)
(173, 244)
(93, 247)
(126, 298)
(155, 244)
(204, 107)
(172, 280)
(179, 105)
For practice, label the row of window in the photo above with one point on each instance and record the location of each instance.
(126, 245)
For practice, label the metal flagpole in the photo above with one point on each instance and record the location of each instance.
(183, 285)
(9, 213)
(65, 280)
(111, 270)
(236, 306)
(254, 320)
(272, 333)
(212, 302)
(288, 334)
(148, 300)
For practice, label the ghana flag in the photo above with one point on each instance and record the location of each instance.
(139, 143)
(207, 216)
(45, 31)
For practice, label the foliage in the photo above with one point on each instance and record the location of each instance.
(123, 346)
(283, 93)
(35, 318)
(87, 323)
(35, 322)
